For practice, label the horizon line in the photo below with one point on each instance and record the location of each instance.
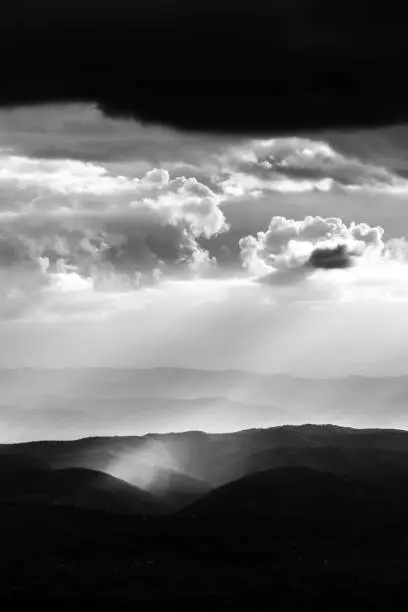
(203, 370)
(205, 433)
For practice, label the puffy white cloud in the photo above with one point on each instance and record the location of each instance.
(98, 230)
(77, 233)
(317, 258)
(288, 243)
(69, 191)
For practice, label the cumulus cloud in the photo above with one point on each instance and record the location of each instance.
(92, 226)
(324, 258)
(71, 229)
(288, 243)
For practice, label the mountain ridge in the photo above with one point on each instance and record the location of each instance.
(288, 517)
(182, 467)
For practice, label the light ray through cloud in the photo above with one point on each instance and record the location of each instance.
(126, 246)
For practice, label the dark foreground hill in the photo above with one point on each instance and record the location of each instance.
(297, 492)
(288, 540)
(29, 482)
(297, 518)
(183, 466)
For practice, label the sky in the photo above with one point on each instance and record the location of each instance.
(126, 244)
(217, 188)
(217, 66)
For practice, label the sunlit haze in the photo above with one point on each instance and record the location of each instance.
(125, 246)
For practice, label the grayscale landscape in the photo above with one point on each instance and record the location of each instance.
(203, 305)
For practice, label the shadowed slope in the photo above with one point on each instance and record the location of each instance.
(298, 496)
(77, 487)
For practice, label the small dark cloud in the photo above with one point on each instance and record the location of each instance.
(250, 67)
(331, 258)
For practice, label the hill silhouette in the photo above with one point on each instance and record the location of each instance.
(25, 481)
(179, 468)
(293, 492)
(297, 537)
(306, 517)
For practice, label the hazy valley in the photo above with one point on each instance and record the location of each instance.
(69, 403)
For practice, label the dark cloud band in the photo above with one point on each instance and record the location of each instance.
(251, 67)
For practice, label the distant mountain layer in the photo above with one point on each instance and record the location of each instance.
(46, 404)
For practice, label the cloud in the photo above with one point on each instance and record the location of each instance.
(84, 237)
(279, 67)
(69, 227)
(82, 132)
(123, 232)
(386, 147)
(20, 285)
(323, 258)
(289, 243)
(330, 258)
(300, 164)
(229, 166)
